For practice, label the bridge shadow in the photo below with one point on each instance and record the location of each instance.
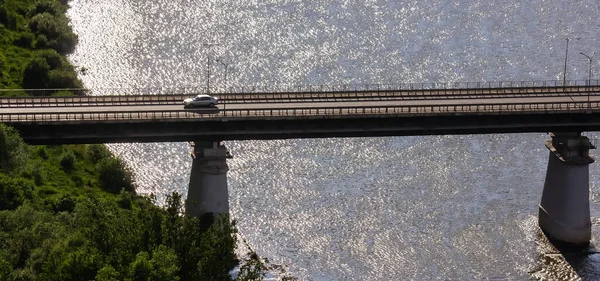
(561, 261)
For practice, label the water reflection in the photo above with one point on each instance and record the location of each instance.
(559, 261)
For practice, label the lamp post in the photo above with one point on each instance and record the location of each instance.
(589, 81)
(225, 64)
(590, 70)
(208, 46)
(566, 56)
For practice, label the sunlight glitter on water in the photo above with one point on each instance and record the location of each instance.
(424, 207)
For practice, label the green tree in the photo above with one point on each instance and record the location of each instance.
(13, 151)
(57, 30)
(252, 269)
(5, 268)
(217, 247)
(36, 74)
(51, 7)
(114, 175)
(58, 79)
(13, 192)
(140, 268)
(67, 161)
(7, 19)
(164, 264)
(54, 60)
(97, 152)
(107, 273)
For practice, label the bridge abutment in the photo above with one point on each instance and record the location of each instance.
(564, 211)
(207, 191)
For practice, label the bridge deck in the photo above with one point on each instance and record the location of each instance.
(298, 115)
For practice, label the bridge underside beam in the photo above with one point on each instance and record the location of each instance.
(217, 129)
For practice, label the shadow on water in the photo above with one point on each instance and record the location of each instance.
(561, 261)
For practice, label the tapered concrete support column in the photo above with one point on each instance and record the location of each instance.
(207, 192)
(564, 212)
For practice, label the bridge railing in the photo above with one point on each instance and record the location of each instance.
(308, 112)
(281, 88)
(289, 97)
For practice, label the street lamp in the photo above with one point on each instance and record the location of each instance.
(590, 70)
(589, 82)
(208, 46)
(225, 64)
(566, 55)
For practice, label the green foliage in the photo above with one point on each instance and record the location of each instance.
(164, 264)
(124, 200)
(97, 152)
(54, 59)
(100, 241)
(50, 7)
(114, 175)
(67, 162)
(56, 29)
(5, 268)
(36, 74)
(252, 269)
(56, 220)
(13, 151)
(217, 247)
(13, 192)
(25, 40)
(28, 27)
(63, 79)
(140, 268)
(107, 273)
(7, 19)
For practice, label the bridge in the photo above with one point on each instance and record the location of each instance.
(157, 115)
(305, 113)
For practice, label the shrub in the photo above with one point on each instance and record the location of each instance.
(46, 24)
(107, 273)
(54, 60)
(97, 152)
(13, 151)
(124, 200)
(50, 7)
(57, 30)
(42, 42)
(67, 162)
(114, 175)
(42, 152)
(7, 19)
(65, 204)
(63, 79)
(37, 173)
(25, 40)
(36, 74)
(13, 192)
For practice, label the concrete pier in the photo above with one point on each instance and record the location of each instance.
(207, 192)
(564, 211)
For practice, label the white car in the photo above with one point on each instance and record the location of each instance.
(200, 100)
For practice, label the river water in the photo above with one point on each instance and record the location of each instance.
(391, 208)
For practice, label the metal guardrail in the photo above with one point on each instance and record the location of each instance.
(280, 88)
(283, 97)
(323, 112)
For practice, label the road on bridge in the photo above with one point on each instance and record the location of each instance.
(223, 108)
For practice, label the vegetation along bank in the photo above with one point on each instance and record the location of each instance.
(70, 212)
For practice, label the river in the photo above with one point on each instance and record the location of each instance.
(390, 208)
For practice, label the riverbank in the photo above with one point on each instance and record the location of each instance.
(71, 212)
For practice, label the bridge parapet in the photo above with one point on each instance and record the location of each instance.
(289, 88)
